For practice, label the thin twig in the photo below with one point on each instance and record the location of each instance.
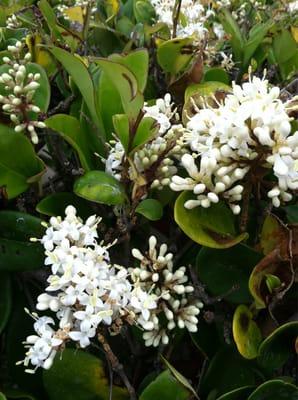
(116, 366)
(176, 14)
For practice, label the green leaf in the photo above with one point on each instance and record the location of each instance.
(237, 394)
(55, 204)
(18, 394)
(75, 371)
(235, 36)
(224, 270)
(50, 17)
(16, 252)
(228, 371)
(180, 378)
(80, 75)
(207, 339)
(275, 389)
(211, 227)
(151, 209)
(205, 89)
(146, 131)
(2, 397)
(270, 234)
(175, 55)
(71, 130)
(138, 63)
(144, 12)
(100, 187)
(165, 387)
(217, 75)
(121, 125)
(246, 333)
(20, 256)
(255, 38)
(20, 226)
(272, 282)
(127, 85)
(5, 299)
(292, 213)
(19, 165)
(278, 347)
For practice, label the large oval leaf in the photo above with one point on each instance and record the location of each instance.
(175, 55)
(224, 271)
(55, 204)
(211, 227)
(275, 389)
(165, 387)
(20, 226)
(246, 333)
(70, 129)
(278, 347)
(100, 187)
(151, 209)
(77, 372)
(237, 394)
(19, 165)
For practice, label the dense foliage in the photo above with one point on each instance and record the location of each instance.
(148, 199)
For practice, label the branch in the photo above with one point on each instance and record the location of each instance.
(116, 366)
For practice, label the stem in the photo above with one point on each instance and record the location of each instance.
(176, 14)
(116, 366)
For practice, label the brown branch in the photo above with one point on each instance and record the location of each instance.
(176, 14)
(116, 366)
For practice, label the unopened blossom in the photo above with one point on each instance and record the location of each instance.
(249, 130)
(160, 152)
(20, 86)
(162, 297)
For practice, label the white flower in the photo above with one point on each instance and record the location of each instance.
(143, 302)
(223, 142)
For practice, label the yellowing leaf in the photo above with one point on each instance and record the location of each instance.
(294, 30)
(39, 56)
(75, 14)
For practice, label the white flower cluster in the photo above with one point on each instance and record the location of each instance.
(162, 295)
(249, 132)
(193, 15)
(155, 151)
(84, 289)
(20, 87)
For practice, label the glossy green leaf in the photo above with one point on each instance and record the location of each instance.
(205, 89)
(20, 256)
(292, 213)
(100, 187)
(246, 332)
(228, 270)
(272, 282)
(2, 397)
(217, 75)
(255, 38)
(17, 253)
(210, 227)
(278, 347)
(138, 63)
(144, 12)
(228, 371)
(77, 372)
(19, 165)
(206, 339)
(175, 55)
(165, 387)
(5, 299)
(55, 204)
(237, 394)
(50, 17)
(69, 128)
(151, 209)
(81, 76)
(127, 85)
(121, 125)
(180, 378)
(275, 389)
(147, 130)
(235, 36)
(18, 394)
